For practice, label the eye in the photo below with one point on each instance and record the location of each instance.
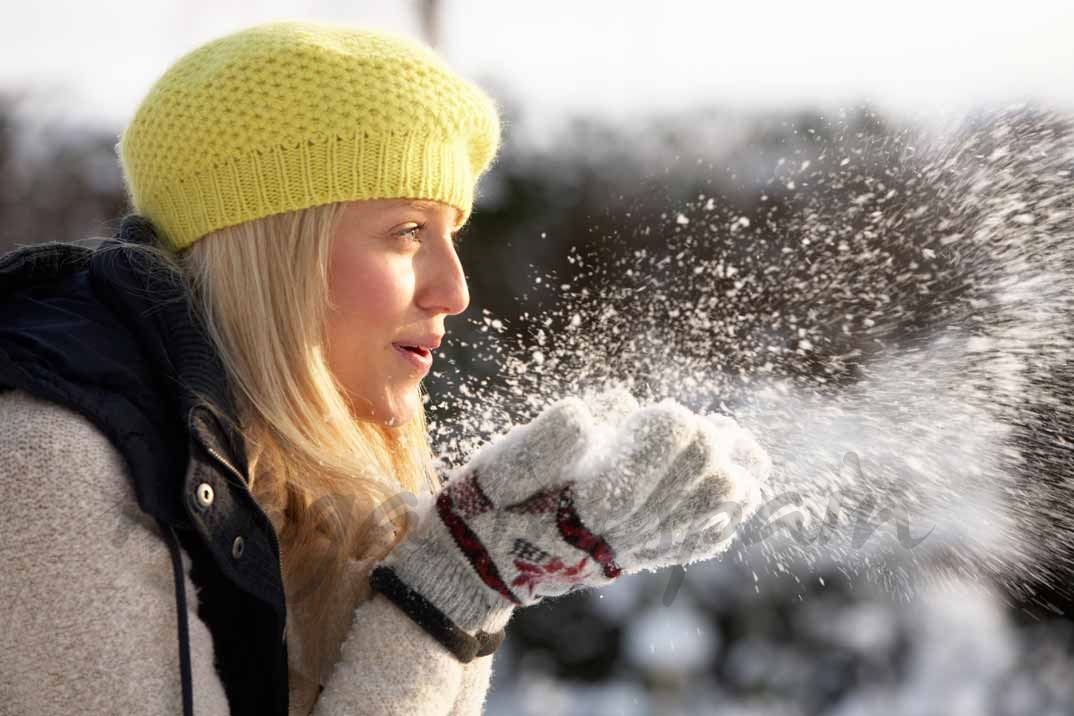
(411, 232)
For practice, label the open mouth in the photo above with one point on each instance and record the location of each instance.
(418, 357)
(416, 350)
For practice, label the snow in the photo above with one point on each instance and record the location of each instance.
(671, 639)
(921, 326)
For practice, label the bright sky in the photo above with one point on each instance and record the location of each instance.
(96, 60)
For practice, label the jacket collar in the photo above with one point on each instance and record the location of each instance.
(149, 296)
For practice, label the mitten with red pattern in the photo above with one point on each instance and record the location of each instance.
(567, 502)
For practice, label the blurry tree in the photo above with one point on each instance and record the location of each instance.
(429, 19)
(55, 184)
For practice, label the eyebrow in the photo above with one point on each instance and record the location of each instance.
(423, 205)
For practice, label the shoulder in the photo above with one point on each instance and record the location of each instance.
(67, 494)
(68, 499)
(55, 463)
(87, 593)
(38, 432)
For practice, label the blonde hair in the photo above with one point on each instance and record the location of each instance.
(326, 479)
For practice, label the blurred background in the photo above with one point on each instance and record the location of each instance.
(626, 124)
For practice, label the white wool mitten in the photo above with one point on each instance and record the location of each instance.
(564, 503)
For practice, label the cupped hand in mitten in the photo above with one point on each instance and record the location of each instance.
(566, 502)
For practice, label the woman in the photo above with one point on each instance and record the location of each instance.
(213, 426)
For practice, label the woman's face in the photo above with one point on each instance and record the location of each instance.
(393, 278)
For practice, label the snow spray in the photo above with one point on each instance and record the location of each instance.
(895, 329)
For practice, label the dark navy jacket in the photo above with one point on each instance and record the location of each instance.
(99, 332)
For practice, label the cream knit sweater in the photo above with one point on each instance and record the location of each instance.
(87, 603)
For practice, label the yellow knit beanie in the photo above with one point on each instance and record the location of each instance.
(289, 115)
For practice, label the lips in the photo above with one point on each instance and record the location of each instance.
(417, 356)
(414, 349)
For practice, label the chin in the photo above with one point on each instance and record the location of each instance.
(391, 411)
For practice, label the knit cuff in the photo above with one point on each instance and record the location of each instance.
(434, 568)
(464, 646)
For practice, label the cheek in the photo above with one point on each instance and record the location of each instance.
(372, 296)
(369, 292)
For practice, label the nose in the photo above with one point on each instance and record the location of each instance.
(443, 284)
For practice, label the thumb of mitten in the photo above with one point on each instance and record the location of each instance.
(740, 445)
